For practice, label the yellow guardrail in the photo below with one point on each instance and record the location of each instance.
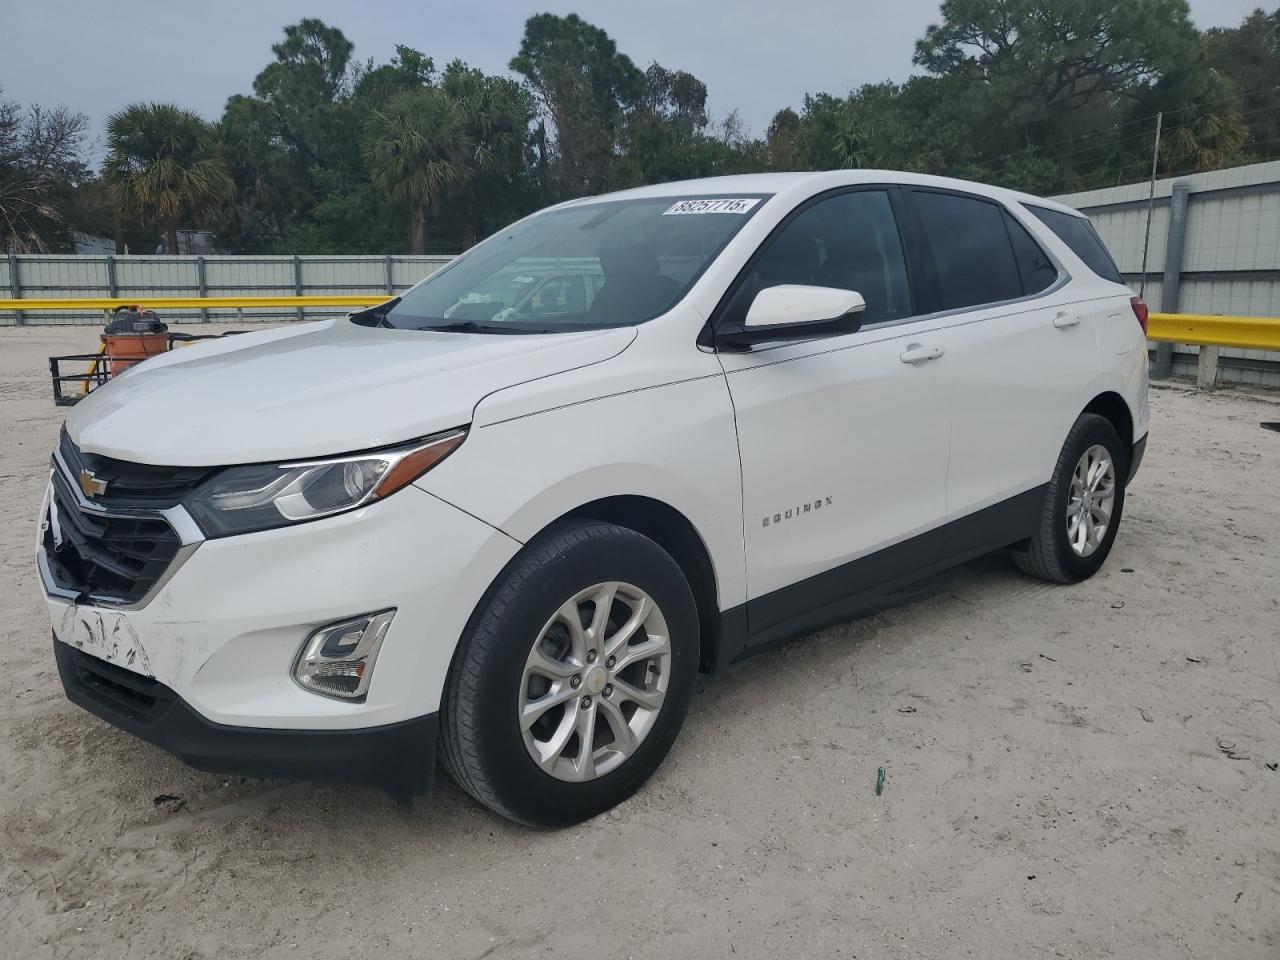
(1250, 333)
(36, 305)
(1212, 330)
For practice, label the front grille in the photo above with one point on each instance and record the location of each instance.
(106, 555)
(122, 692)
(133, 486)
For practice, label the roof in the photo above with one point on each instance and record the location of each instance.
(814, 182)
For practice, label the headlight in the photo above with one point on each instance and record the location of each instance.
(259, 497)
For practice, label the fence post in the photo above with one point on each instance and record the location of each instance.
(297, 280)
(387, 269)
(1207, 367)
(1175, 246)
(15, 288)
(202, 286)
(113, 289)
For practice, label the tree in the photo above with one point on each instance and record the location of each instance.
(1203, 126)
(1011, 76)
(782, 141)
(586, 86)
(1248, 58)
(415, 147)
(309, 108)
(329, 154)
(296, 143)
(408, 69)
(675, 98)
(41, 167)
(268, 195)
(661, 135)
(1045, 57)
(497, 114)
(312, 61)
(161, 167)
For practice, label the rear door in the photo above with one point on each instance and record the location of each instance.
(843, 439)
(1020, 357)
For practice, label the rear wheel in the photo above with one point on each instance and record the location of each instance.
(574, 676)
(1082, 505)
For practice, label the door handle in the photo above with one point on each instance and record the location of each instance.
(1064, 320)
(919, 353)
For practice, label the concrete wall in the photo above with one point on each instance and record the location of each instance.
(66, 276)
(1231, 258)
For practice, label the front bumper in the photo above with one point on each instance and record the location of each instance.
(396, 757)
(223, 632)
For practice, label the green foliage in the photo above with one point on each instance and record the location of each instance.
(1248, 59)
(408, 69)
(361, 222)
(328, 154)
(498, 114)
(415, 147)
(163, 167)
(586, 87)
(1040, 59)
(311, 64)
(1047, 96)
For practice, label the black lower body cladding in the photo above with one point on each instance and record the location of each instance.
(398, 758)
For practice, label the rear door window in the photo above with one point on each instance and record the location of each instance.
(1078, 234)
(972, 253)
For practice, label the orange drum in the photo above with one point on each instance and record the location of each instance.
(123, 350)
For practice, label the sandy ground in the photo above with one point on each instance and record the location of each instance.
(1058, 781)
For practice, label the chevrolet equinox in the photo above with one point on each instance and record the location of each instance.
(508, 515)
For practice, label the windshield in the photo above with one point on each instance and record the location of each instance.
(609, 264)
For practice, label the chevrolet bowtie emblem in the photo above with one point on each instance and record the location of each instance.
(91, 485)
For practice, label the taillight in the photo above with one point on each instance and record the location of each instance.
(1139, 311)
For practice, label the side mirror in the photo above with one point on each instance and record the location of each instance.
(798, 312)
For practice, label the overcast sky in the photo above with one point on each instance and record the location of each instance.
(754, 55)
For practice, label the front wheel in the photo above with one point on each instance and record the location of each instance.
(1082, 505)
(574, 676)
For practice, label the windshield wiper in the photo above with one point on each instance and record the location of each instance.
(473, 326)
(461, 326)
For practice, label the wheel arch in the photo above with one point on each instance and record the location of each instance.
(673, 531)
(1111, 406)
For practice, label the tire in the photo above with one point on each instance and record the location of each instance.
(1049, 554)
(485, 747)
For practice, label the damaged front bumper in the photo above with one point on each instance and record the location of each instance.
(146, 708)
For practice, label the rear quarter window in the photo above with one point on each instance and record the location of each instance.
(1078, 234)
(1036, 269)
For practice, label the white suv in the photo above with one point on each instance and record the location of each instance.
(515, 510)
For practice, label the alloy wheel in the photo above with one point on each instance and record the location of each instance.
(594, 681)
(1092, 500)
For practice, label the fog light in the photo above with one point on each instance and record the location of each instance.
(337, 660)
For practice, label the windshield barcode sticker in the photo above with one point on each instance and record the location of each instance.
(740, 205)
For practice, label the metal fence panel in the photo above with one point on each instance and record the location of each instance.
(1231, 261)
(141, 277)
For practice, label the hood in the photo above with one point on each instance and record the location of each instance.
(315, 389)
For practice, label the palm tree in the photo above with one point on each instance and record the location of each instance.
(416, 146)
(162, 167)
